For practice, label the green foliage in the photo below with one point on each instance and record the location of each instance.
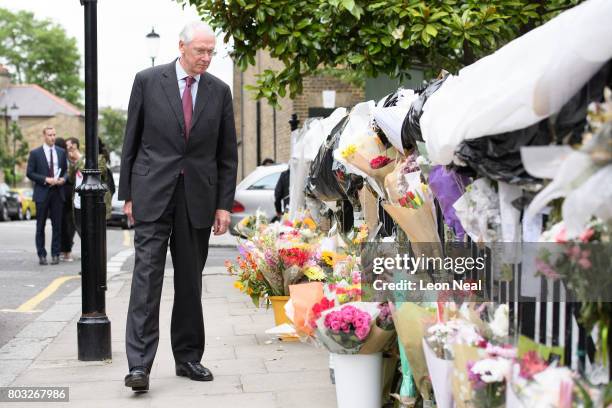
(112, 128)
(371, 37)
(40, 52)
(14, 151)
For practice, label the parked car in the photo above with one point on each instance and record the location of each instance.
(256, 191)
(118, 217)
(10, 207)
(28, 206)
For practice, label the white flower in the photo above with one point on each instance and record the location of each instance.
(398, 33)
(492, 370)
(500, 324)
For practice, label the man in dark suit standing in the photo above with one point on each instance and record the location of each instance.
(47, 169)
(178, 178)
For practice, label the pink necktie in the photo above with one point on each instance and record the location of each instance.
(187, 105)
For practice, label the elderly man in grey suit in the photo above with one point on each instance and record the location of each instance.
(178, 178)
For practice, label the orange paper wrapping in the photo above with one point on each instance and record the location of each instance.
(420, 227)
(304, 296)
(363, 163)
(378, 340)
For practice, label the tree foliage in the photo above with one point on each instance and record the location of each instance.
(14, 151)
(40, 52)
(370, 36)
(112, 128)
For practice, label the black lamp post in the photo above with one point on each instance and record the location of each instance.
(93, 328)
(14, 119)
(153, 44)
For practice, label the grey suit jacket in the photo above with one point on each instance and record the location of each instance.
(155, 150)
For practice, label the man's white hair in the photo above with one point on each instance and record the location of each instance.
(190, 29)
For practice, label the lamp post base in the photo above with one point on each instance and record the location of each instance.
(94, 338)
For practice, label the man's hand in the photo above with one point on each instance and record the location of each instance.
(60, 181)
(50, 181)
(222, 221)
(127, 209)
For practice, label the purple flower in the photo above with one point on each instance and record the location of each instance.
(474, 378)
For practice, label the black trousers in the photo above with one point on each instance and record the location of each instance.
(189, 249)
(77, 221)
(68, 227)
(52, 207)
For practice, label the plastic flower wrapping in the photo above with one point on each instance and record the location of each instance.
(479, 213)
(581, 176)
(442, 337)
(447, 186)
(252, 224)
(389, 116)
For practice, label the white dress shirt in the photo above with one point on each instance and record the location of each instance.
(48, 152)
(180, 77)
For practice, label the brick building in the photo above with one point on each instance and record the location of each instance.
(274, 129)
(38, 108)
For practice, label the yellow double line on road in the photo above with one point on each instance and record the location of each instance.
(31, 304)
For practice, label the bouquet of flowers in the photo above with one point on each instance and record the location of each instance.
(345, 329)
(250, 280)
(368, 153)
(535, 383)
(583, 264)
(252, 224)
(277, 255)
(348, 326)
(441, 337)
(410, 204)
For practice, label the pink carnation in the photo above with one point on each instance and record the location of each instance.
(349, 319)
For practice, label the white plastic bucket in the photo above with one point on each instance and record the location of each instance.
(358, 380)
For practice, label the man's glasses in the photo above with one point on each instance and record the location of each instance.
(203, 52)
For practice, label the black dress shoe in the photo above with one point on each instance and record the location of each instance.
(54, 260)
(194, 370)
(138, 379)
(42, 260)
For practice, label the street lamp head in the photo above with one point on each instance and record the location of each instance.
(153, 43)
(14, 112)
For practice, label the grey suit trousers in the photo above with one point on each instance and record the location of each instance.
(189, 250)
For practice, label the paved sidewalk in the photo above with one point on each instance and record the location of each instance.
(250, 370)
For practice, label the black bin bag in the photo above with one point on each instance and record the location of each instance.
(322, 183)
(411, 128)
(499, 157)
